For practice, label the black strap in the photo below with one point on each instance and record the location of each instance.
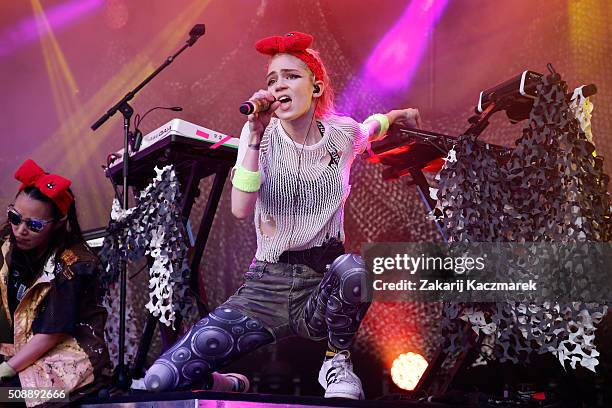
(316, 258)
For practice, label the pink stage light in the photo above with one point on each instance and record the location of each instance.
(26, 31)
(396, 57)
(391, 66)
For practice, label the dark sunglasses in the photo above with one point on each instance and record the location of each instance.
(33, 224)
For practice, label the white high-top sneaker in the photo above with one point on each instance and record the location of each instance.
(338, 379)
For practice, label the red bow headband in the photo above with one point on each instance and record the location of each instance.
(51, 185)
(293, 43)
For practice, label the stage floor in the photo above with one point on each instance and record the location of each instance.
(206, 399)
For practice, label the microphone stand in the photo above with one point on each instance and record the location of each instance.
(123, 380)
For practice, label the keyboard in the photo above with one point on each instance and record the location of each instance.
(177, 142)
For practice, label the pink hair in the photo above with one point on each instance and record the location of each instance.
(325, 102)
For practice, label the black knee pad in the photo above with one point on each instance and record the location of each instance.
(353, 278)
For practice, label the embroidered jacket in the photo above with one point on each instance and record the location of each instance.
(81, 359)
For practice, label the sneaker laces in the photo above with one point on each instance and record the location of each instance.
(340, 366)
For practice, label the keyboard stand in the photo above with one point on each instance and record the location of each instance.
(193, 161)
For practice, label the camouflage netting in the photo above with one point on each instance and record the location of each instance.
(551, 188)
(152, 228)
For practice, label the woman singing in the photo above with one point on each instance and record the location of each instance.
(292, 176)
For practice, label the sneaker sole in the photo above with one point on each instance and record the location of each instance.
(344, 395)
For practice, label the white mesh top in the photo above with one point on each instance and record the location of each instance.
(303, 188)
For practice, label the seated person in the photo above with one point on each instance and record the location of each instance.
(51, 317)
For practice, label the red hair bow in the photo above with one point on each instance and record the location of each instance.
(51, 185)
(293, 43)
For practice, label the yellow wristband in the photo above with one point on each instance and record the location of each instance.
(246, 180)
(383, 123)
(6, 371)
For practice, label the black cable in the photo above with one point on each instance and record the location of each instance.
(136, 136)
(109, 160)
(138, 119)
(298, 180)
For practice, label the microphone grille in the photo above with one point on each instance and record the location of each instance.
(246, 108)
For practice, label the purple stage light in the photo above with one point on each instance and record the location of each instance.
(27, 30)
(393, 62)
(396, 57)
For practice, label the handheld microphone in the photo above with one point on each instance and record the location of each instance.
(260, 105)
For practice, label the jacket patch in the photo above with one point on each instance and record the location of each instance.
(69, 257)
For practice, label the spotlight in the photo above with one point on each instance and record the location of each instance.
(407, 370)
(515, 96)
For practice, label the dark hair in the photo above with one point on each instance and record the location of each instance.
(66, 236)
